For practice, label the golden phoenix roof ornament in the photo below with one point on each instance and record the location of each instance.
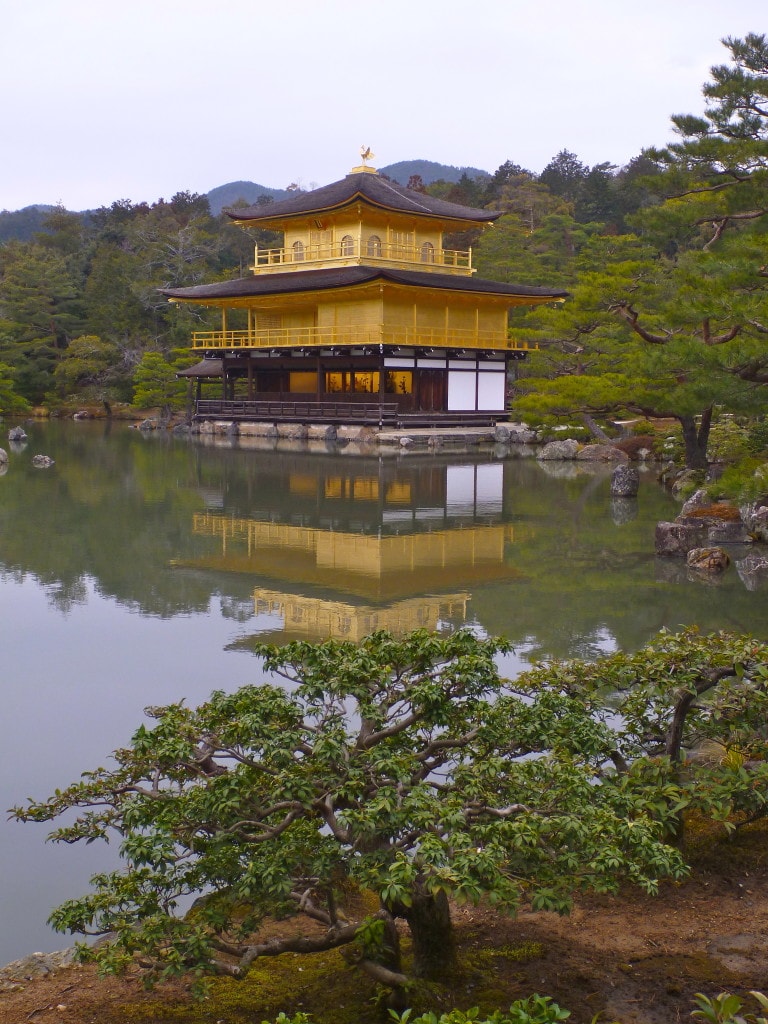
(367, 154)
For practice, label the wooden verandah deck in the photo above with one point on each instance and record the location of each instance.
(374, 414)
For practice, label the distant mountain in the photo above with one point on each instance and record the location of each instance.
(23, 224)
(429, 171)
(228, 195)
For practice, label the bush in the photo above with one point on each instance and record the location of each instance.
(535, 1009)
(727, 441)
(757, 437)
(746, 481)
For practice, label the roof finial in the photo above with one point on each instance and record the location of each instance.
(367, 154)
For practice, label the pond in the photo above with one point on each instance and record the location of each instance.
(139, 570)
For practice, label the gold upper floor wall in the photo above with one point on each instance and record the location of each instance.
(365, 316)
(363, 237)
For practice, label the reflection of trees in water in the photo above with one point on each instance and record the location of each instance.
(65, 596)
(237, 609)
(118, 510)
(114, 509)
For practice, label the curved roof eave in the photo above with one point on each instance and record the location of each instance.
(365, 187)
(345, 277)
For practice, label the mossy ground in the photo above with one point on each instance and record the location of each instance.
(630, 958)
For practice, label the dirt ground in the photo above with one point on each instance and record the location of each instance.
(630, 958)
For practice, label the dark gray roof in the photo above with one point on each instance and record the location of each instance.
(344, 277)
(374, 189)
(205, 368)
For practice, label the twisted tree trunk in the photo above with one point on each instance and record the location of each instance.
(696, 439)
(434, 945)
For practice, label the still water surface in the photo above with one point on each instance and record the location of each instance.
(138, 570)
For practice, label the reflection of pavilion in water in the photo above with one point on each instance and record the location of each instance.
(414, 567)
(315, 618)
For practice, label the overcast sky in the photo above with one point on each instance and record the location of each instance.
(103, 100)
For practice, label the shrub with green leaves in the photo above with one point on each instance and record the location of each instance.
(726, 1009)
(728, 441)
(757, 437)
(384, 778)
(535, 1009)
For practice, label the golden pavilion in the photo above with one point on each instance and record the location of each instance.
(362, 316)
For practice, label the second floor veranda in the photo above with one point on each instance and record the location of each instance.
(357, 336)
(370, 250)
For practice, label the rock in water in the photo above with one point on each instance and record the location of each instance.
(625, 481)
(707, 559)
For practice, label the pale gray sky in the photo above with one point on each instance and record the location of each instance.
(136, 99)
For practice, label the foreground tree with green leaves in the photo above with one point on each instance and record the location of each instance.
(384, 780)
(687, 716)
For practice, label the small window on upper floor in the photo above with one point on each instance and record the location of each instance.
(347, 246)
(427, 253)
(374, 246)
(298, 252)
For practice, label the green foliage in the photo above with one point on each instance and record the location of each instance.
(407, 769)
(757, 437)
(728, 441)
(155, 383)
(670, 322)
(725, 1009)
(11, 403)
(677, 699)
(88, 365)
(721, 1009)
(746, 481)
(535, 1009)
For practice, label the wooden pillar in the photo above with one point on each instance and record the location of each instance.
(382, 393)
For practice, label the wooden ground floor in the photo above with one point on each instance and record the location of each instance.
(377, 385)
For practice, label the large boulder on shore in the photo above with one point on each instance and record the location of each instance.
(601, 453)
(755, 518)
(699, 499)
(701, 524)
(723, 522)
(565, 449)
(679, 538)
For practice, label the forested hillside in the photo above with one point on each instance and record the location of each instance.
(664, 259)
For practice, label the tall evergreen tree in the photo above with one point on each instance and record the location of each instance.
(675, 324)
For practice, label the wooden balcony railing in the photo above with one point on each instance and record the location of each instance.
(317, 410)
(300, 410)
(368, 251)
(328, 337)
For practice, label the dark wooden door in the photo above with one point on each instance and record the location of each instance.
(432, 385)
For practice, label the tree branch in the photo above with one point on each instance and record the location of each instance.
(717, 339)
(632, 317)
(497, 812)
(674, 738)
